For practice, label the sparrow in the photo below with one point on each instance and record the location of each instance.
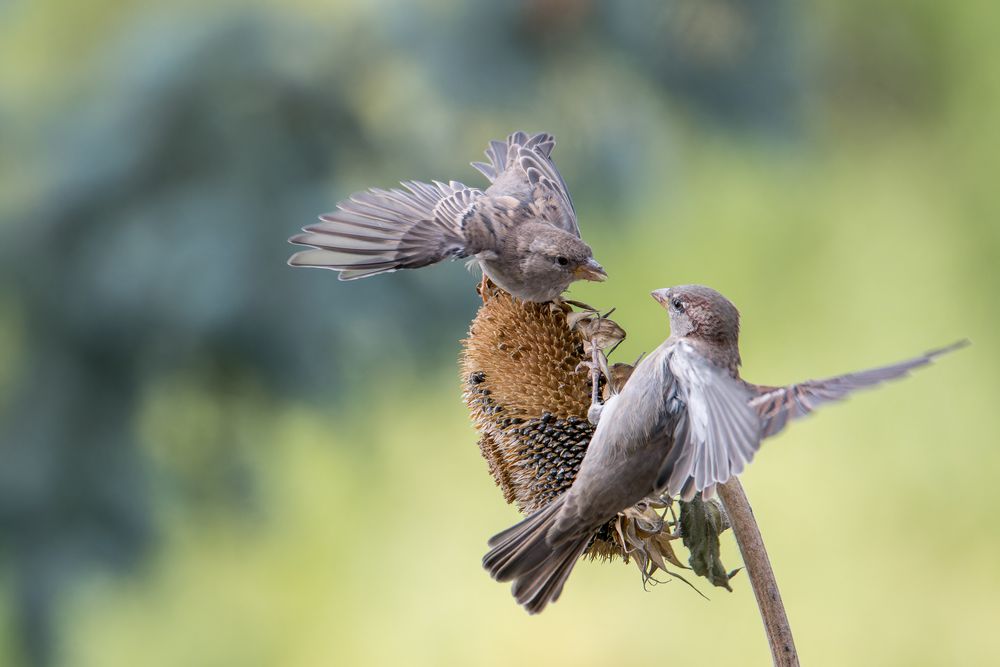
(521, 230)
(683, 422)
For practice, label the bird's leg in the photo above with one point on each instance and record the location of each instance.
(596, 406)
(595, 387)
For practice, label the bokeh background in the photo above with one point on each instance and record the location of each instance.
(209, 458)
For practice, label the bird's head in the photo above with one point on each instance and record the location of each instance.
(700, 312)
(558, 258)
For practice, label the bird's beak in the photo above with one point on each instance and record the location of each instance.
(590, 270)
(662, 296)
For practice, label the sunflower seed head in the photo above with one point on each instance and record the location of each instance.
(526, 382)
(528, 395)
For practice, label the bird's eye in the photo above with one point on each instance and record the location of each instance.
(562, 261)
(678, 306)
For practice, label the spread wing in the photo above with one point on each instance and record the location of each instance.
(715, 432)
(524, 162)
(777, 405)
(378, 231)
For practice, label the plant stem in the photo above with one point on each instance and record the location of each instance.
(765, 588)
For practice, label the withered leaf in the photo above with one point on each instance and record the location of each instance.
(701, 524)
(665, 549)
(600, 332)
(574, 319)
(618, 374)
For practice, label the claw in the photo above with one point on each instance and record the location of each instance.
(594, 413)
(597, 364)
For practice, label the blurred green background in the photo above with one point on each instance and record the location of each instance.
(209, 458)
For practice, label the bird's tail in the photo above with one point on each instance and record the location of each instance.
(378, 231)
(539, 569)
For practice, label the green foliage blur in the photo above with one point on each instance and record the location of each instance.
(209, 458)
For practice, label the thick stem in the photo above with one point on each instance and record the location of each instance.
(765, 588)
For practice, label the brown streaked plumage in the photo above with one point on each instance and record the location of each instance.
(521, 230)
(684, 422)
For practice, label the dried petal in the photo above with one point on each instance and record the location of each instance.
(575, 319)
(601, 332)
(618, 375)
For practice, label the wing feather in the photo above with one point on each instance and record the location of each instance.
(715, 434)
(525, 162)
(777, 405)
(378, 231)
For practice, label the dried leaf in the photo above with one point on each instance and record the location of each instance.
(574, 319)
(618, 375)
(701, 523)
(664, 548)
(600, 332)
(581, 305)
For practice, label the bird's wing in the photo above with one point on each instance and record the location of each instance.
(500, 152)
(528, 161)
(777, 405)
(378, 231)
(715, 432)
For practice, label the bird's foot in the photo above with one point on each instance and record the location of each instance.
(594, 413)
(598, 365)
(595, 372)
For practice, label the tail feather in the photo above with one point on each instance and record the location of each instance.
(522, 546)
(378, 231)
(536, 589)
(522, 553)
(502, 153)
(526, 524)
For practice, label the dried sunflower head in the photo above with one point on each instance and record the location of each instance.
(526, 382)
(528, 396)
(528, 393)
